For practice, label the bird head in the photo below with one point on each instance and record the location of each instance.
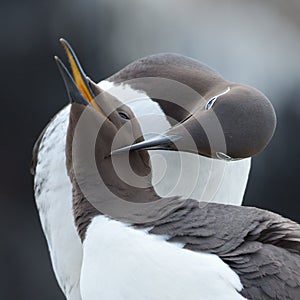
(98, 123)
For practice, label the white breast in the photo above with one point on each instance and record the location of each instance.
(53, 194)
(121, 263)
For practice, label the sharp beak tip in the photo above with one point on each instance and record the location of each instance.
(63, 41)
(57, 59)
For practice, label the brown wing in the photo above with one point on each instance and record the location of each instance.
(263, 248)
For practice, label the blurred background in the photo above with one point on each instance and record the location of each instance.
(254, 42)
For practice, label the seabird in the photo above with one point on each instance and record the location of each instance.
(137, 245)
(52, 182)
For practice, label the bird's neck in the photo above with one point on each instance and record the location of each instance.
(108, 192)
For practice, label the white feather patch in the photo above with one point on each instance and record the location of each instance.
(53, 194)
(120, 263)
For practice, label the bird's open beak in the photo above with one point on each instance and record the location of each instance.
(78, 87)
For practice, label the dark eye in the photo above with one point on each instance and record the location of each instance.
(123, 115)
(210, 103)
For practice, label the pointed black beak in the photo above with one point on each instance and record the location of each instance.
(158, 142)
(74, 94)
(79, 75)
(78, 85)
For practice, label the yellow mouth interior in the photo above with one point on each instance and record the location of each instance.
(78, 76)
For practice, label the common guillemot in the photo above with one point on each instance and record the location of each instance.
(51, 179)
(137, 245)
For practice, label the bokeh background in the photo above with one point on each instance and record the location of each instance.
(254, 42)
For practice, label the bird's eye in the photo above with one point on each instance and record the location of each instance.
(210, 103)
(123, 115)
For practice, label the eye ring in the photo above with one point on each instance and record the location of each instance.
(123, 115)
(210, 103)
